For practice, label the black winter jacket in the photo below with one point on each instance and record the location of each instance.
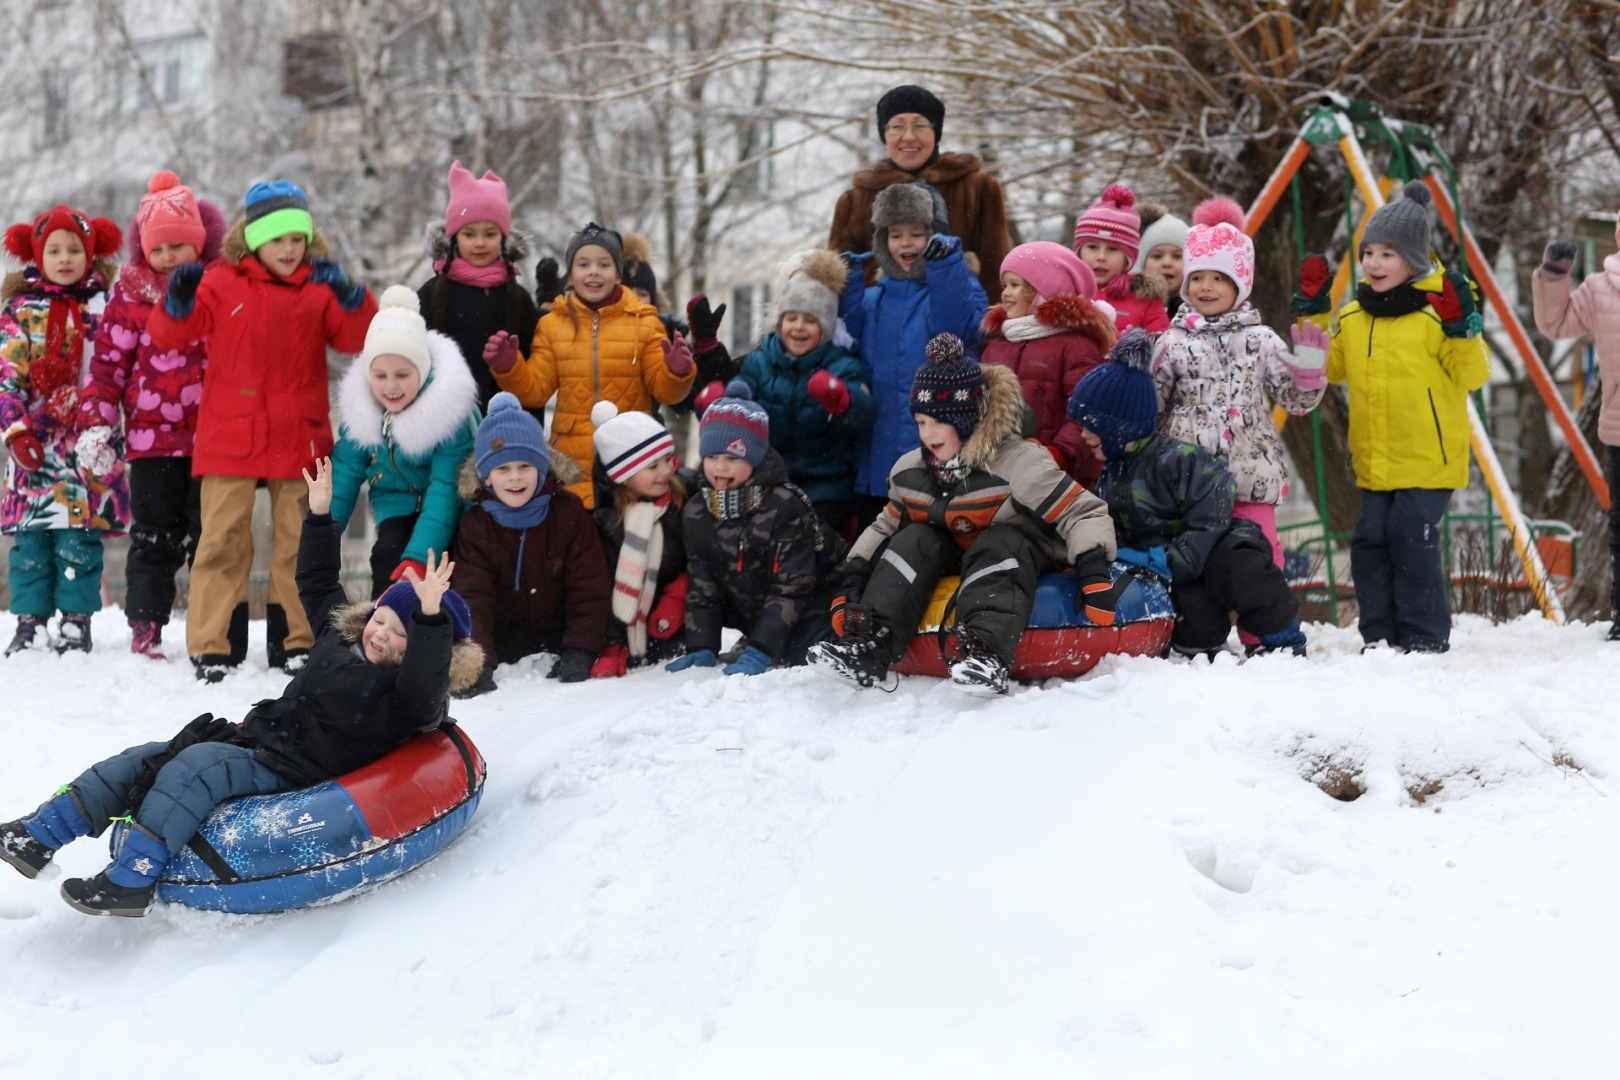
(1170, 494)
(471, 315)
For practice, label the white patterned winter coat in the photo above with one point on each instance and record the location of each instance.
(1213, 376)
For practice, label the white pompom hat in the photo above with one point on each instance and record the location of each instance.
(627, 442)
(398, 329)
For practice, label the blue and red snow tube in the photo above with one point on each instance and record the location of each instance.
(320, 844)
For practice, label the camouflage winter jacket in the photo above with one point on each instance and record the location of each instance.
(1170, 494)
(758, 556)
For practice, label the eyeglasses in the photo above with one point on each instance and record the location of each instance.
(908, 129)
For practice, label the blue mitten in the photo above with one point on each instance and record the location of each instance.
(183, 282)
(328, 273)
(701, 658)
(751, 662)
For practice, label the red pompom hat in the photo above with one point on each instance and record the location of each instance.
(169, 215)
(101, 238)
(1112, 220)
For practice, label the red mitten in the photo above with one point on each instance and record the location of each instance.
(25, 450)
(677, 355)
(614, 661)
(668, 611)
(501, 352)
(830, 392)
(408, 564)
(708, 396)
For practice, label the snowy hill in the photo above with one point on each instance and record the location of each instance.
(1133, 875)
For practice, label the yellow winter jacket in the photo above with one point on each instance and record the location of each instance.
(1409, 386)
(584, 356)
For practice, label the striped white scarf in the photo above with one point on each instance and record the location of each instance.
(635, 579)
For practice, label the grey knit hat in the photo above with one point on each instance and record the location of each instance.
(1404, 226)
(599, 236)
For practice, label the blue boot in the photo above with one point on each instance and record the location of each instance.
(1290, 638)
(126, 887)
(31, 843)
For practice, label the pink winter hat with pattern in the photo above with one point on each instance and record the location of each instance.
(1052, 269)
(476, 199)
(1111, 220)
(1217, 241)
(168, 214)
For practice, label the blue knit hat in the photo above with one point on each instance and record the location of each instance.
(950, 386)
(509, 433)
(276, 208)
(402, 598)
(1117, 401)
(737, 425)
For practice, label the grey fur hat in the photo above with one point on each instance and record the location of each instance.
(1404, 226)
(903, 204)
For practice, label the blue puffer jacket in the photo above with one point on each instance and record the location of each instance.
(412, 466)
(819, 450)
(892, 322)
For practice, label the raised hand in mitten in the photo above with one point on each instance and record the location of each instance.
(547, 281)
(829, 392)
(669, 610)
(329, 273)
(940, 247)
(182, 294)
(705, 322)
(25, 449)
(1313, 296)
(677, 356)
(1558, 259)
(501, 352)
(1308, 362)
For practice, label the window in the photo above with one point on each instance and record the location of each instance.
(172, 72)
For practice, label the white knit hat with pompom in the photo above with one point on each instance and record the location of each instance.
(398, 329)
(627, 442)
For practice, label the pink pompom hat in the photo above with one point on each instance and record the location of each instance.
(1217, 241)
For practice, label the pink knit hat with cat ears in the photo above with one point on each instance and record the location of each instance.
(1111, 220)
(476, 199)
(1052, 269)
(1217, 241)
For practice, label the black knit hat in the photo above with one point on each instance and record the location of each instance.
(911, 99)
(599, 236)
(950, 386)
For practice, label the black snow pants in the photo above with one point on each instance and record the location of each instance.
(1240, 576)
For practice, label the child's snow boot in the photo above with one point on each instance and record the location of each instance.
(72, 634)
(28, 626)
(1614, 630)
(1290, 638)
(146, 638)
(127, 886)
(861, 657)
(213, 667)
(979, 670)
(30, 843)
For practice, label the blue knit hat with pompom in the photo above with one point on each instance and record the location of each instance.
(507, 434)
(1117, 401)
(737, 425)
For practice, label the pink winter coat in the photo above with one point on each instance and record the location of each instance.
(1137, 300)
(1593, 309)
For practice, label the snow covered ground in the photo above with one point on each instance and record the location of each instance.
(1131, 875)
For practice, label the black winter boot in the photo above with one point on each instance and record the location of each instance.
(19, 848)
(979, 670)
(72, 634)
(213, 667)
(861, 657)
(28, 627)
(98, 896)
(237, 635)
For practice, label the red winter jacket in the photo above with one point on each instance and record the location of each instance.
(1049, 367)
(1139, 301)
(264, 402)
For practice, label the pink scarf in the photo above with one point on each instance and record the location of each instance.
(485, 277)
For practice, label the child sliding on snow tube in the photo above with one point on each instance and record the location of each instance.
(978, 499)
(1172, 506)
(377, 673)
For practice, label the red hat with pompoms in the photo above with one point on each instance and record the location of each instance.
(101, 238)
(1217, 242)
(1112, 220)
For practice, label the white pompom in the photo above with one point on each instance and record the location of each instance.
(401, 297)
(602, 412)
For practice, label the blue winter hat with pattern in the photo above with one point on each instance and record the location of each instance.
(509, 434)
(737, 425)
(275, 208)
(402, 599)
(950, 386)
(1117, 401)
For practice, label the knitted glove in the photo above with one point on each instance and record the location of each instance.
(574, 665)
(708, 396)
(1313, 297)
(1456, 306)
(668, 611)
(96, 452)
(701, 658)
(182, 295)
(484, 685)
(614, 661)
(941, 247)
(501, 352)
(408, 564)
(1558, 259)
(547, 281)
(25, 449)
(326, 272)
(705, 323)
(751, 662)
(1153, 560)
(677, 355)
(1095, 592)
(1308, 362)
(830, 392)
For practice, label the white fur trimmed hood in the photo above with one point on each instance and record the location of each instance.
(440, 410)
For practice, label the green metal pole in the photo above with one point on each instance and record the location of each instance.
(1327, 525)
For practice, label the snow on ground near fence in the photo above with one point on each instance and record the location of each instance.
(1134, 874)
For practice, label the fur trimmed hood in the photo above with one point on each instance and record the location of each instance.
(1063, 312)
(466, 656)
(235, 248)
(442, 407)
(1135, 287)
(517, 247)
(1001, 416)
(564, 470)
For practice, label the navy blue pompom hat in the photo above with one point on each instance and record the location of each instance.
(1117, 400)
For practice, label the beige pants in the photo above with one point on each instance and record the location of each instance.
(219, 574)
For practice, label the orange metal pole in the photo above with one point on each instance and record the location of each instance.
(1521, 341)
(1266, 201)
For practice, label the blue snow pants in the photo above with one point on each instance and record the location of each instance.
(55, 569)
(1399, 574)
(199, 778)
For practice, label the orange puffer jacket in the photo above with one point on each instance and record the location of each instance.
(583, 356)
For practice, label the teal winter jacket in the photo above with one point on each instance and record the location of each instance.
(818, 449)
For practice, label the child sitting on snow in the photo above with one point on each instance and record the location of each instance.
(409, 412)
(638, 512)
(978, 499)
(377, 673)
(758, 558)
(1108, 239)
(528, 559)
(1172, 507)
